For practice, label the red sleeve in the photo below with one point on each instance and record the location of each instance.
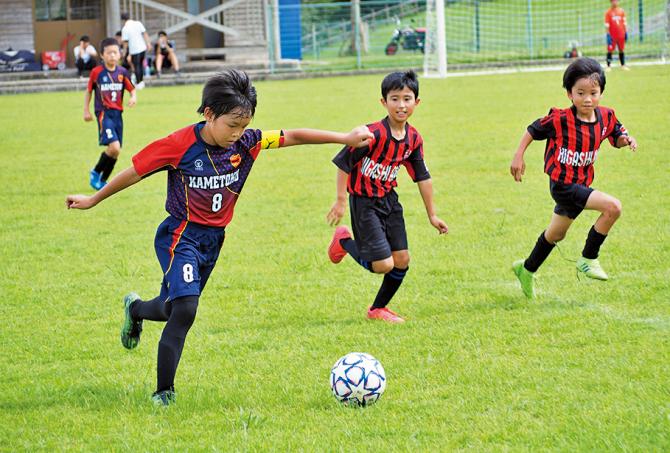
(92, 79)
(543, 128)
(164, 153)
(128, 84)
(416, 166)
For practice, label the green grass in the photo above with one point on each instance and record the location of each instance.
(476, 367)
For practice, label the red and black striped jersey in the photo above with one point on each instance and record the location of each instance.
(572, 144)
(373, 169)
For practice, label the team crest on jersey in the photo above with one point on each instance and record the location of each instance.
(120, 77)
(198, 165)
(235, 160)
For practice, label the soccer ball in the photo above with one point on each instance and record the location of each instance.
(357, 379)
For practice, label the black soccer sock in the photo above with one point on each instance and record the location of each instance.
(390, 285)
(593, 242)
(540, 253)
(349, 245)
(609, 58)
(156, 309)
(172, 340)
(109, 166)
(102, 163)
(622, 58)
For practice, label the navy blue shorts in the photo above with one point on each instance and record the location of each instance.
(379, 225)
(110, 126)
(187, 253)
(570, 198)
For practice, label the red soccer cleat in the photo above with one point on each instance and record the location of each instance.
(336, 252)
(385, 315)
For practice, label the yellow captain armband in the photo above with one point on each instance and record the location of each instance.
(272, 139)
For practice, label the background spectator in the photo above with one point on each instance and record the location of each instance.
(136, 40)
(85, 55)
(165, 54)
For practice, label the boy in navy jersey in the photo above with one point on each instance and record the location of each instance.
(573, 138)
(109, 82)
(207, 165)
(369, 173)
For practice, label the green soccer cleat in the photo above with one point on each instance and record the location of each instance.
(131, 329)
(164, 398)
(591, 268)
(525, 278)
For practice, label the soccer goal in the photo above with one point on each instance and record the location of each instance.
(435, 46)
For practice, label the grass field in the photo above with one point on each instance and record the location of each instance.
(584, 367)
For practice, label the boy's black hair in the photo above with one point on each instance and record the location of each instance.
(400, 80)
(581, 68)
(228, 91)
(108, 42)
(85, 38)
(125, 16)
(162, 33)
(118, 33)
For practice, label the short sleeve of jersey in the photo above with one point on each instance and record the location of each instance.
(349, 156)
(616, 130)
(127, 83)
(543, 128)
(416, 166)
(92, 79)
(159, 155)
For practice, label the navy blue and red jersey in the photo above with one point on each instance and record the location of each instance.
(373, 169)
(204, 181)
(108, 86)
(572, 144)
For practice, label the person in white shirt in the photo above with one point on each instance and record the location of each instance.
(85, 55)
(136, 41)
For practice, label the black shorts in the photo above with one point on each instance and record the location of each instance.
(570, 198)
(379, 226)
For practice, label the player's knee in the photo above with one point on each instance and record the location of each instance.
(114, 149)
(184, 310)
(383, 266)
(614, 208)
(554, 236)
(401, 261)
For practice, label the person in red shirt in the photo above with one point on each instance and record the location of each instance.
(617, 33)
(573, 138)
(368, 174)
(207, 165)
(108, 81)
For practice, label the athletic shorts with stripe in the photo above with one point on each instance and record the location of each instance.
(187, 253)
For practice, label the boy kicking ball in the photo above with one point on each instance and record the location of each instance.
(207, 165)
(368, 173)
(573, 138)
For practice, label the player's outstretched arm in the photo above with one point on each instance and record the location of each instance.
(626, 140)
(426, 190)
(357, 138)
(518, 166)
(126, 178)
(340, 206)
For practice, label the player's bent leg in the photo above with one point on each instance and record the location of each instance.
(390, 285)
(132, 327)
(114, 149)
(171, 344)
(609, 207)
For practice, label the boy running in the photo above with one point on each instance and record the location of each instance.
(207, 165)
(108, 81)
(617, 33)
(369, 173)
(573, 138)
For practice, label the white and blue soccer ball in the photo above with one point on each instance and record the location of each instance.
(357, 379)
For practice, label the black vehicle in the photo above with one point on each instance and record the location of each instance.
(409, 38)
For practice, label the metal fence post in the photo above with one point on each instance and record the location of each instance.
(269, 17)
(356, 29)
(477, 40)
(529, 28)
(640, 13)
